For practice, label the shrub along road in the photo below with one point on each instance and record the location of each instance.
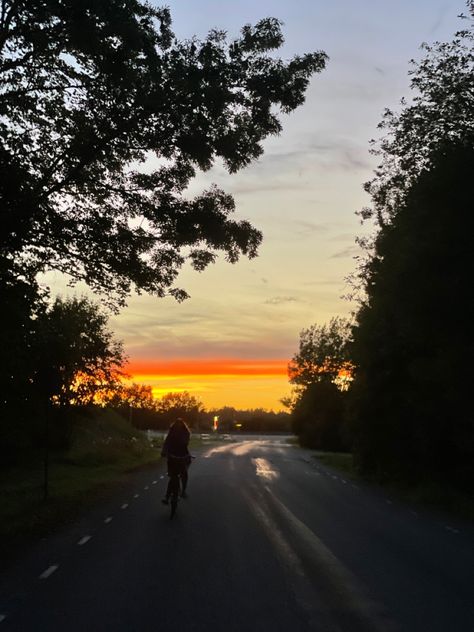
(267, 540)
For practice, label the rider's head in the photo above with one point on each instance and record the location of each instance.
(179, 424)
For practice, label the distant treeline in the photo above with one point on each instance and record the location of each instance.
(228, 419)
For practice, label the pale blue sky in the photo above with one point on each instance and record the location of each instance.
(305, 189)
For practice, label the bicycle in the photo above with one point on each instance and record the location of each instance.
(177, 465)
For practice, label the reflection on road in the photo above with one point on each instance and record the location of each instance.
(265, 469)
(245, 448)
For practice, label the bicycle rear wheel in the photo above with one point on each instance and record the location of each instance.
(174, 495)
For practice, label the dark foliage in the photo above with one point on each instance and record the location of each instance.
(414, 339)
(88, 91)
(320, 372)
(318, 417)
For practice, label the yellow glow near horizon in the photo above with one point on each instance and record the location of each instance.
(257, 384)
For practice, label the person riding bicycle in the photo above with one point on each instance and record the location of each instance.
(175, 449)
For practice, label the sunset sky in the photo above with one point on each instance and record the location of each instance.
(231, 341)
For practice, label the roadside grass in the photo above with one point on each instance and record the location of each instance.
(341, 461)
(428, 494)
(104, 449)
(437, 497)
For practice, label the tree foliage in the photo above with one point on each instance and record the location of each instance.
(413, 341)
(131, 396)
(439, 111)
(320, 372)
(90, 90)
(80, 358)
(318, 417)
(180, 404)
(322, 353)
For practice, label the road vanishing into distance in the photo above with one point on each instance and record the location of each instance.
(268, 540)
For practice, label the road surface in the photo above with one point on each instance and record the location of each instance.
(268, 540)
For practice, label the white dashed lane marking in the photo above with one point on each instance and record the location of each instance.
(451, 529)
(2, 617)
(162, 476)
(124, 506)
(107, 520)
(136, 495)
(155, 482)
(146, 487)
(83, 540)
(49, 571)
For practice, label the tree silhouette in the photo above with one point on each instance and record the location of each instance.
(413, 342)
(88, 92)
(320, 372)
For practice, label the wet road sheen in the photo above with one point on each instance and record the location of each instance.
(268, 539)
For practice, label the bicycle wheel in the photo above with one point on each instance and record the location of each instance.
(174, 495)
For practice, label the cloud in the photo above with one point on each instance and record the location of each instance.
(439, 19)
(304, 227)
(351, 251)
(279, 300)
(292, 170)
(343, 237)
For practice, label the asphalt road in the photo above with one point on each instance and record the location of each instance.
(268, 540)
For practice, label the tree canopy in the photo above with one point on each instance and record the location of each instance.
(320, 372)
(413, 340)
(322, 353)
(79, 357)
(88, 92)
(439, 112)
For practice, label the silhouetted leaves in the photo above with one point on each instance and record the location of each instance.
(413, 339)
(88, 92)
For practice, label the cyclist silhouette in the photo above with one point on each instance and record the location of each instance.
(175, 449)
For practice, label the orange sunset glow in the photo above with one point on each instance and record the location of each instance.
(217, 382)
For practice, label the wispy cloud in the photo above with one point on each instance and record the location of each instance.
(279, 300)
(351, 251)
(304, 227)
(439, 19)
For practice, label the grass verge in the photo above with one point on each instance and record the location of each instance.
(103, 451)
(341, 461)
(428, 495)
